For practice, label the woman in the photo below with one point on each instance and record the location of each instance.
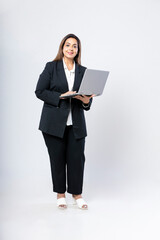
(62, 120)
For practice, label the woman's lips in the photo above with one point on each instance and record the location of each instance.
(70, 53)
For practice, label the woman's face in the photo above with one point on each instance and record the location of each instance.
(70, 48)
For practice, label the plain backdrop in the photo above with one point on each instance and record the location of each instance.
(123, 143)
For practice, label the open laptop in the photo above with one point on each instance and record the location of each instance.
(93, 82)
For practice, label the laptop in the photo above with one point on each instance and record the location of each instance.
(93, 82)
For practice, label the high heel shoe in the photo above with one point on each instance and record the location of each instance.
(60, 202)
(80, 203)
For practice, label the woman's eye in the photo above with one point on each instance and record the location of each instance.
(68, 46)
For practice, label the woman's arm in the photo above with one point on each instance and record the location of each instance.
(42, 89)
(87, 106)
(86, 101)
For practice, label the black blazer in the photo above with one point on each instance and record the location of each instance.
(51, 84)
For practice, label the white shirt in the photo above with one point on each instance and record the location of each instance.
(70, 75)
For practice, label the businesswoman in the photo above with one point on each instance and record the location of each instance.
(62, 120)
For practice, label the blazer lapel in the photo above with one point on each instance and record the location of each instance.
(77, 79)
(62, 76)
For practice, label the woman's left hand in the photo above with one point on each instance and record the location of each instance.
(85, 99)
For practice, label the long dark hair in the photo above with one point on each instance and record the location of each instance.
(60, 54)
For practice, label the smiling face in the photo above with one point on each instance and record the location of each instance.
(70, 48)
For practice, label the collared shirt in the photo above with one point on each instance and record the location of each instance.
(70, 75)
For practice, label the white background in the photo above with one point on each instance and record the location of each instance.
(123, 144)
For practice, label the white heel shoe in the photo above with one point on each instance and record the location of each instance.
(80, 202)
(60, 202)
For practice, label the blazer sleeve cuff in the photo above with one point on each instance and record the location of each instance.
(87, 106)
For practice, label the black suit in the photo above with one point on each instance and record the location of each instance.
(65, 143)
(51, 84)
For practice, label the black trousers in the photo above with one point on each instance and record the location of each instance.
(67, 161)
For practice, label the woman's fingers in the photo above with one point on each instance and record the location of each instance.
(88, 97)
(69, 92)
(83, 98)
(78, 97)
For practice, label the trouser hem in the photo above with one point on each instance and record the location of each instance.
(59, 191)
(74, 192)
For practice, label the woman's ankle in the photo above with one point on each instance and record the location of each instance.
(59, 195)
(76, 196)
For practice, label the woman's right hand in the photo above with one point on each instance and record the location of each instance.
(66, 93)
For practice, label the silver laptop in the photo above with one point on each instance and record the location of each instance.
(93, 82)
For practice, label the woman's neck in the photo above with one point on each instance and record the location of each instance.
(68, 61)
